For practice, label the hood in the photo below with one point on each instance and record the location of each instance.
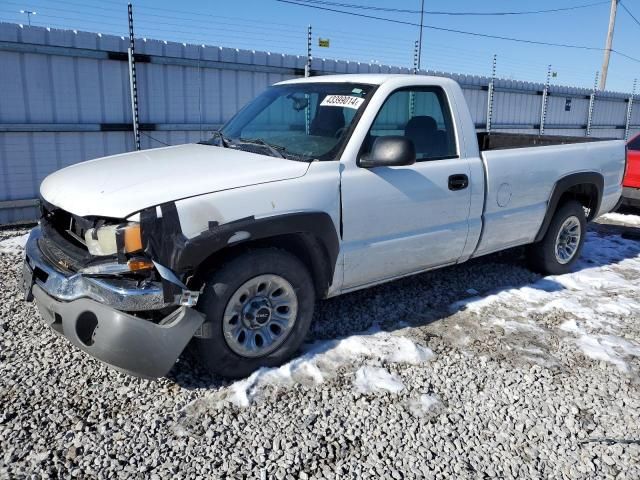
(120, 185)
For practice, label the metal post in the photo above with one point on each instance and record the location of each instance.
(412, 95)
(28, 13)
(609, 45)
(200, 90)
(307, 67)
(545, 100)
(592, 104)
(490, 94)
(307, 73)
(630, 110)
(420, 38)
(134, 103)
(133, 84)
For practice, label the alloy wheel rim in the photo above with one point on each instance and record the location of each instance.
(567, 240)
(260, 315)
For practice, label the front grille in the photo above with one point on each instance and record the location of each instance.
(57, 257)
(62, 239)
(71, 227)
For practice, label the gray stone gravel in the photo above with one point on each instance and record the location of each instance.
(499, 415)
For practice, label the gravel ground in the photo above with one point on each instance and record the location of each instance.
(509, 376)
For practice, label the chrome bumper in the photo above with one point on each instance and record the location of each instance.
(113, 293)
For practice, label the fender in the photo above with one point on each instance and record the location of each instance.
(561, 187)
(164, 241)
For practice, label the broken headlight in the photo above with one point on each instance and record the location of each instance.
(113, 239)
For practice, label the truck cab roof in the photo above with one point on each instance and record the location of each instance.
(371, 79)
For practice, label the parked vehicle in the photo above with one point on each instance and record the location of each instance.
(318, 187)
(631, 183)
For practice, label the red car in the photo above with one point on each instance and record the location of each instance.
(631, 183)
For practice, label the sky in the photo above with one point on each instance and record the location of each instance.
(279, 27)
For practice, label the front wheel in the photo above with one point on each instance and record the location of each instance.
(259, 308)
(558, 250)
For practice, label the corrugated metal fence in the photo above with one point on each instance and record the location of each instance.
(64, 98)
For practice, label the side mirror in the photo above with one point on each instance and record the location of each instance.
(391, 151)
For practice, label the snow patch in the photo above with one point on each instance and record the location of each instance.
(608, 348)
(320, 362)
(406, 351)
(375, 379)
(511, 326)
(596, 300)
(423, 404)
(14, 244)
(619, 218)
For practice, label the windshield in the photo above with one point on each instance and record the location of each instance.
(298, 121)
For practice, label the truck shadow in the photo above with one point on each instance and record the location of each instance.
(429, 297)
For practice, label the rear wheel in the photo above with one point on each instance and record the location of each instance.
(561, 246)
(259, 308)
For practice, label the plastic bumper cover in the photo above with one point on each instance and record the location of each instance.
(128, 343)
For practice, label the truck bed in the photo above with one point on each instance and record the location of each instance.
(500, 141)
(520, 181)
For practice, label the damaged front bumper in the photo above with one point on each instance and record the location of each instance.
(98, 315)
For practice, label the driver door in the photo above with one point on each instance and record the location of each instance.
(401, 220)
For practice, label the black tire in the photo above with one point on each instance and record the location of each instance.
(541, 256)
(223, 283)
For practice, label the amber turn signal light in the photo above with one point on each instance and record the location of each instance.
(138, 264)
(132, 238)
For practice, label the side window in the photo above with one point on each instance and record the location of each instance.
(422, 115)
(634, 144)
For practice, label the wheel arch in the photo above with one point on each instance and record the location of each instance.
(310, 236)
(305, 246)
(585, 187)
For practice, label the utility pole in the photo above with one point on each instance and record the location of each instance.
(421, 28)
(28, 13)
(608, 47)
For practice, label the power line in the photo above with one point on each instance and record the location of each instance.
(401, 10)
(630, 14)
(279, 31)
(215, 16)
(432, 27)
(451, 30)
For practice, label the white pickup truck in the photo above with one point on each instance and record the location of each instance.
(318, 187)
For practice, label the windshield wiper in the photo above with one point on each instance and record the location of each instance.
(277, 150)
(224, 141)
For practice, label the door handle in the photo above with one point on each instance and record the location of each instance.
(458, 182)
